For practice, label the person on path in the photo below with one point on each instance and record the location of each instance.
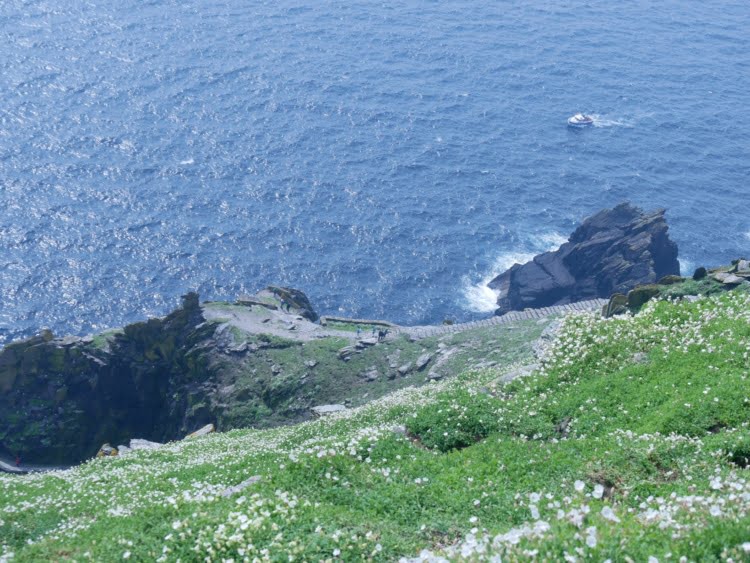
(374, 332)
(359, 331)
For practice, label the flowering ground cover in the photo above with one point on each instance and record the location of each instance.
(631, 442)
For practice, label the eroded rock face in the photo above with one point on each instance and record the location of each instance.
(61, 398)
(610, 252)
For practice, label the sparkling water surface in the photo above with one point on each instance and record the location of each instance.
(386, 158)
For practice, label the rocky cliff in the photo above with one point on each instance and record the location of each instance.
(258, 362)
(60, 398)
(610, 252)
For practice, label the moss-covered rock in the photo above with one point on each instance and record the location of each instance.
(618, 304)
(639, 296)
(61, 398)
(670, 280)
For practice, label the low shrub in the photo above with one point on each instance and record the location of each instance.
(455, 421)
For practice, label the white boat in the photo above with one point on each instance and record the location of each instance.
(580, 120)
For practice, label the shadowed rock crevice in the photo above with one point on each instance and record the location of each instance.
(610, 252)
(62, 398)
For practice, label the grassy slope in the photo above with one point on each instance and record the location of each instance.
(630, 442)
(262, 398)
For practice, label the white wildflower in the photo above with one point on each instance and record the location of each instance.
(591, 536)
(609, 514)
(598, 491)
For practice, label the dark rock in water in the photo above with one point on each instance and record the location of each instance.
(610, 252)
(700, 273)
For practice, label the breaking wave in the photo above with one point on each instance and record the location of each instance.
(477, 297)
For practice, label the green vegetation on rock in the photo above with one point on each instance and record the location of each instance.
(630, 442)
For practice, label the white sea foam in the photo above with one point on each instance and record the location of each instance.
(479, 298)
(747, 235)
(687, 266)
(188, 161)
(604, 121)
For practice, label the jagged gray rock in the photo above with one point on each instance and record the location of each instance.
(422, 361)
(141, 444)
(372, 374)
(404, 369)
(228, 492)
(207, 429)
(290, 300)
(727, 278)
(612, 251)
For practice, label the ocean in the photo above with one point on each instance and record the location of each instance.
(387, 158)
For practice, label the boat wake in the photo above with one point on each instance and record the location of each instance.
(603, 121)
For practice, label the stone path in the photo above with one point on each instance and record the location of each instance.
(255, 320)
(544, 312)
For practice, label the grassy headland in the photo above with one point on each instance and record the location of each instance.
(631, 442)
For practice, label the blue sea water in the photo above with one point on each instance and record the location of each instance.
(384, 157)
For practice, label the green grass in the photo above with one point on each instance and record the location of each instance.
(102, 340)
(631, 442)
(365, 329)
(276, 383)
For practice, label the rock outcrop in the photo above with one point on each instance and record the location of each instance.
(289, 300)
(61, 398)
(610, 252)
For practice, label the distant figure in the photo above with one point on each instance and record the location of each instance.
(374, 332)
(359, 331)
(382, 334)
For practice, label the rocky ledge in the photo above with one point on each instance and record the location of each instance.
(610, 252)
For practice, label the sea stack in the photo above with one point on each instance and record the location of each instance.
(610, 252)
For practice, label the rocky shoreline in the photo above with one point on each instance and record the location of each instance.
(610, 252)
(255, 362)
(265, 360)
